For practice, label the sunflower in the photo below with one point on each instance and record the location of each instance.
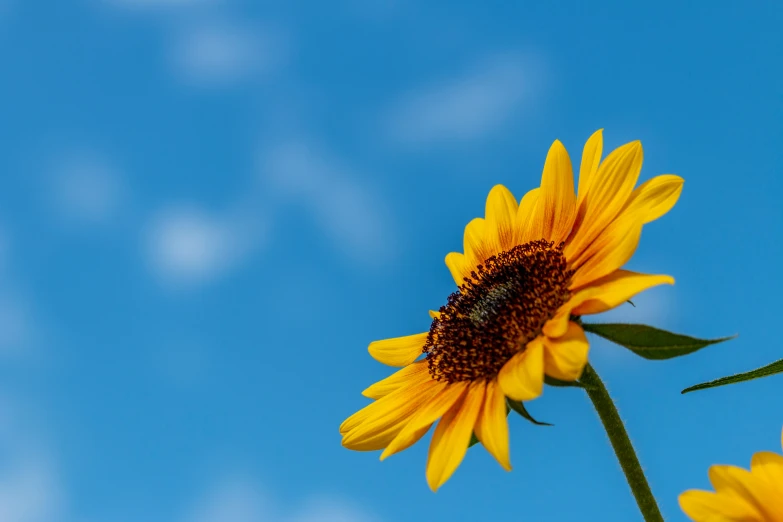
(529, 269)
(740, 495)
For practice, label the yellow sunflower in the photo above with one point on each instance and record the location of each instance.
(529, 269)
(740, 495)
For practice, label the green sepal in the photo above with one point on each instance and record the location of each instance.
(551, 381)
(648, 342)
(764, 371)
(631, 303)
(473, 440)
(518, 407)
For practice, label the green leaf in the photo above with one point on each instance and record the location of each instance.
(631, 303)
(551, 381)
(764, 371)
(473, 440)
(520, 408)
(649, 342)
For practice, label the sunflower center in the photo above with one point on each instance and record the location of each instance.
(497, 311)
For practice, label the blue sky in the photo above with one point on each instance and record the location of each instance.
(208, 209)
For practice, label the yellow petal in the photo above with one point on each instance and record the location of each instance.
(732, 480)
(375, 426)
(434, 314)
(611, 250)
(617, 288)
(448, 396)
(706, 506)
(501, 213)
(591, 159)
(412, 374)
(558, 324)
(557, 205)
(399, 351)
(528, 223)
(492, 425)
(452, 435)
(609, 191)
(522, 377)
(768, 466)
(459, 266)
(655, 197)
(566, 357)
(479, 244)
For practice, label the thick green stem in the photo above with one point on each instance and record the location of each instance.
(623, 448)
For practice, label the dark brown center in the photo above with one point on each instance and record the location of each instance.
(497, 311)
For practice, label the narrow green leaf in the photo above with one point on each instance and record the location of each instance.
(649, 342)
(551, 381)
(631, 303)
(764, 371)
(520, 409)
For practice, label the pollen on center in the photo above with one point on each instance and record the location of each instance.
(497, 311)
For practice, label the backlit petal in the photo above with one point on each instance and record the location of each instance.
(459, 266)
(706, 506)
(655, 197)
(617, 288)
(528, 222)
(399, 351)
(557, 204)
(610, 251)
(452, 435)
(492, 424)
(411, 374)
(565, 357)
(420, 423)
(501, 213)
(609, 191)
(375, 426)
(737, 481)
(522, 377)
(768, 466)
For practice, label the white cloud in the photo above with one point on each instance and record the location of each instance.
(240, 499)
(348, 211)
(187, 245)
(475, 103)
(30, 488)
(217, 55)
(87, 189)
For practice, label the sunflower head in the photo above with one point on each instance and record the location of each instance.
(528, 270)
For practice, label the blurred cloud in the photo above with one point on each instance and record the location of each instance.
(187, 245)
(86, 188)
(15, 324)
(347, 210)
(240, 499)
(30, 488)
(223, 54)
(480, 100)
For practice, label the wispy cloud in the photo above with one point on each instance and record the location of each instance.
(187, 245)
(30, 487)
(86, 188)
(240, 499)
(347, 210)
(220, 54)
(469, 106)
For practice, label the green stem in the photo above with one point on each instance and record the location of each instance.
(623, 448)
